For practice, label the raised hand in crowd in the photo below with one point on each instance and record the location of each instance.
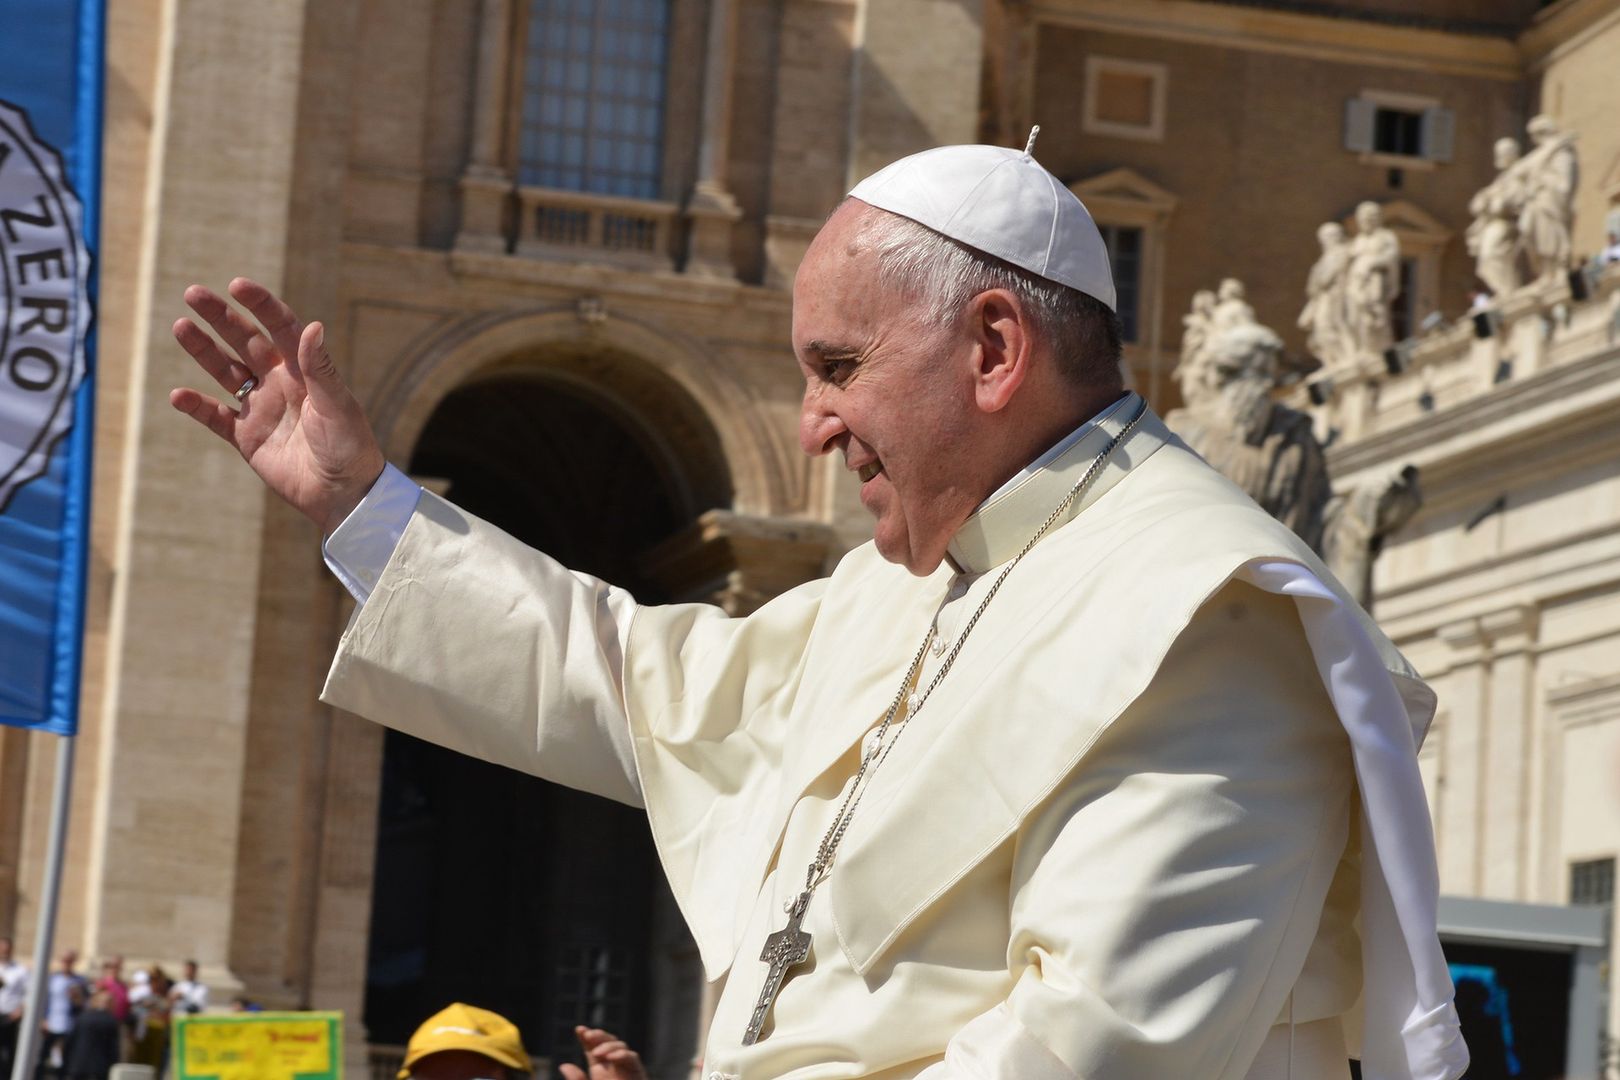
(607, 1056)
(297, 424)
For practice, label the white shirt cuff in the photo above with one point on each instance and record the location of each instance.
(359, 549)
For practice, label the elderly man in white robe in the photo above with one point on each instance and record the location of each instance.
(1058, 777)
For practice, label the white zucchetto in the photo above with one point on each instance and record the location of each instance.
(1002, 202)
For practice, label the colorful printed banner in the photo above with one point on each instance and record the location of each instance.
(50, 155)
(259, 1046)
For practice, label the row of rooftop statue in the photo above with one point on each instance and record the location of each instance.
(1232, 366)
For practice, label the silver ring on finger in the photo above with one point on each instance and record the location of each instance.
(246, 388)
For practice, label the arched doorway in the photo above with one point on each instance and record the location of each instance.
(494, 887)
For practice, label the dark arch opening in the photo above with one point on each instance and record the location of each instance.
(494, 887)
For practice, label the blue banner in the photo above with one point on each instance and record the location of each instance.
(51, 59)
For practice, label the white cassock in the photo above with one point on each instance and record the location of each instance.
(1123, 839)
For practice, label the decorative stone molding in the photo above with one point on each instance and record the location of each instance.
(1586, 701)
(738, 561)
(1503, 632)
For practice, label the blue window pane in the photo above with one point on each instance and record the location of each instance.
(593, 95)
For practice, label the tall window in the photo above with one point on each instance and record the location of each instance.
(1125, 259)
(593, 96)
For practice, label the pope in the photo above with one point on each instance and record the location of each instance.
(1084, 767)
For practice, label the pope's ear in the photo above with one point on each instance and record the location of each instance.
(999, 322)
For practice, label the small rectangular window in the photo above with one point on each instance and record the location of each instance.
(1591, 882)
(1381, 125)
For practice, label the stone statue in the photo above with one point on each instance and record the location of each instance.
(1196, 324)
(1493, 237)
(1266, 448)
(1550, 172)
(1231, 309)
(1372, 279)
(1358, 522)
(1323, 318)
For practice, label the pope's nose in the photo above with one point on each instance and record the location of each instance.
(820, 429)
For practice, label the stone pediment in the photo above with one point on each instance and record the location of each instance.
(1121, 193)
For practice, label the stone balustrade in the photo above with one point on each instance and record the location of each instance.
(580, 226)
(1532, 330)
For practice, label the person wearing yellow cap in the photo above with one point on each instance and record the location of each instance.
(1084, 767)
(464, 1042)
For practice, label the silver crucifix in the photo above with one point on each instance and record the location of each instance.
(786, 948)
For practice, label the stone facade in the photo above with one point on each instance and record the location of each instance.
(360, 156)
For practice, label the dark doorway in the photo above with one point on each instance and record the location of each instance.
(494, 887)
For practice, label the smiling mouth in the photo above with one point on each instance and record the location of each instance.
(870, 470)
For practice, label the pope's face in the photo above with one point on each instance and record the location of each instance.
(886, 390)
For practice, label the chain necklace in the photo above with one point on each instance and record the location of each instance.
(790, 946)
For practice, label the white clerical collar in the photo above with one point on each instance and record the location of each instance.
(1004, 522)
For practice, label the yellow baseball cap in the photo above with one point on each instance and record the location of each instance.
(465, 1027)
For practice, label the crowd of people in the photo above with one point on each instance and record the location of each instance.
(91, 1021)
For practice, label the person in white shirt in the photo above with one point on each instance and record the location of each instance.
(190, 994)
(13, 996)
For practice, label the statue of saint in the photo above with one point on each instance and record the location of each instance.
(1267, 449)
(1372, 280)
(1550, 171)
(1493, 237)
(1195, 328)
(1323, 318)
(1231, 309)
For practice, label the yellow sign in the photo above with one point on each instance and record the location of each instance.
(259, 1046)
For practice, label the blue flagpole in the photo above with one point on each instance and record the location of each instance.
(70, 606)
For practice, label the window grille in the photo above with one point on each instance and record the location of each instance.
(593, 987)
(1591, 882)
(593, 96)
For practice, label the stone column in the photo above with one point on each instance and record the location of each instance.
(487, 184)
(1509, 753)
(711, 209)
(1463, 757)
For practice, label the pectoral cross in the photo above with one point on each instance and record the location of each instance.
(786, 948)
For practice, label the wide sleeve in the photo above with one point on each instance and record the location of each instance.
(1165, 898)
(474, 641)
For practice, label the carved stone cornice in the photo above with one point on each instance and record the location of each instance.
(1315, 37)
(738, 561)
(1555, 405)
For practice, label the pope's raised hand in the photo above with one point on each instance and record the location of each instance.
(299, 427)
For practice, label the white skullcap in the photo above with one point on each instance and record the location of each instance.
(1001, 202)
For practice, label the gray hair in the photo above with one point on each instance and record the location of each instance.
(943, 275)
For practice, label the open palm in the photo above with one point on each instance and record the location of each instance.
(298, 427)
